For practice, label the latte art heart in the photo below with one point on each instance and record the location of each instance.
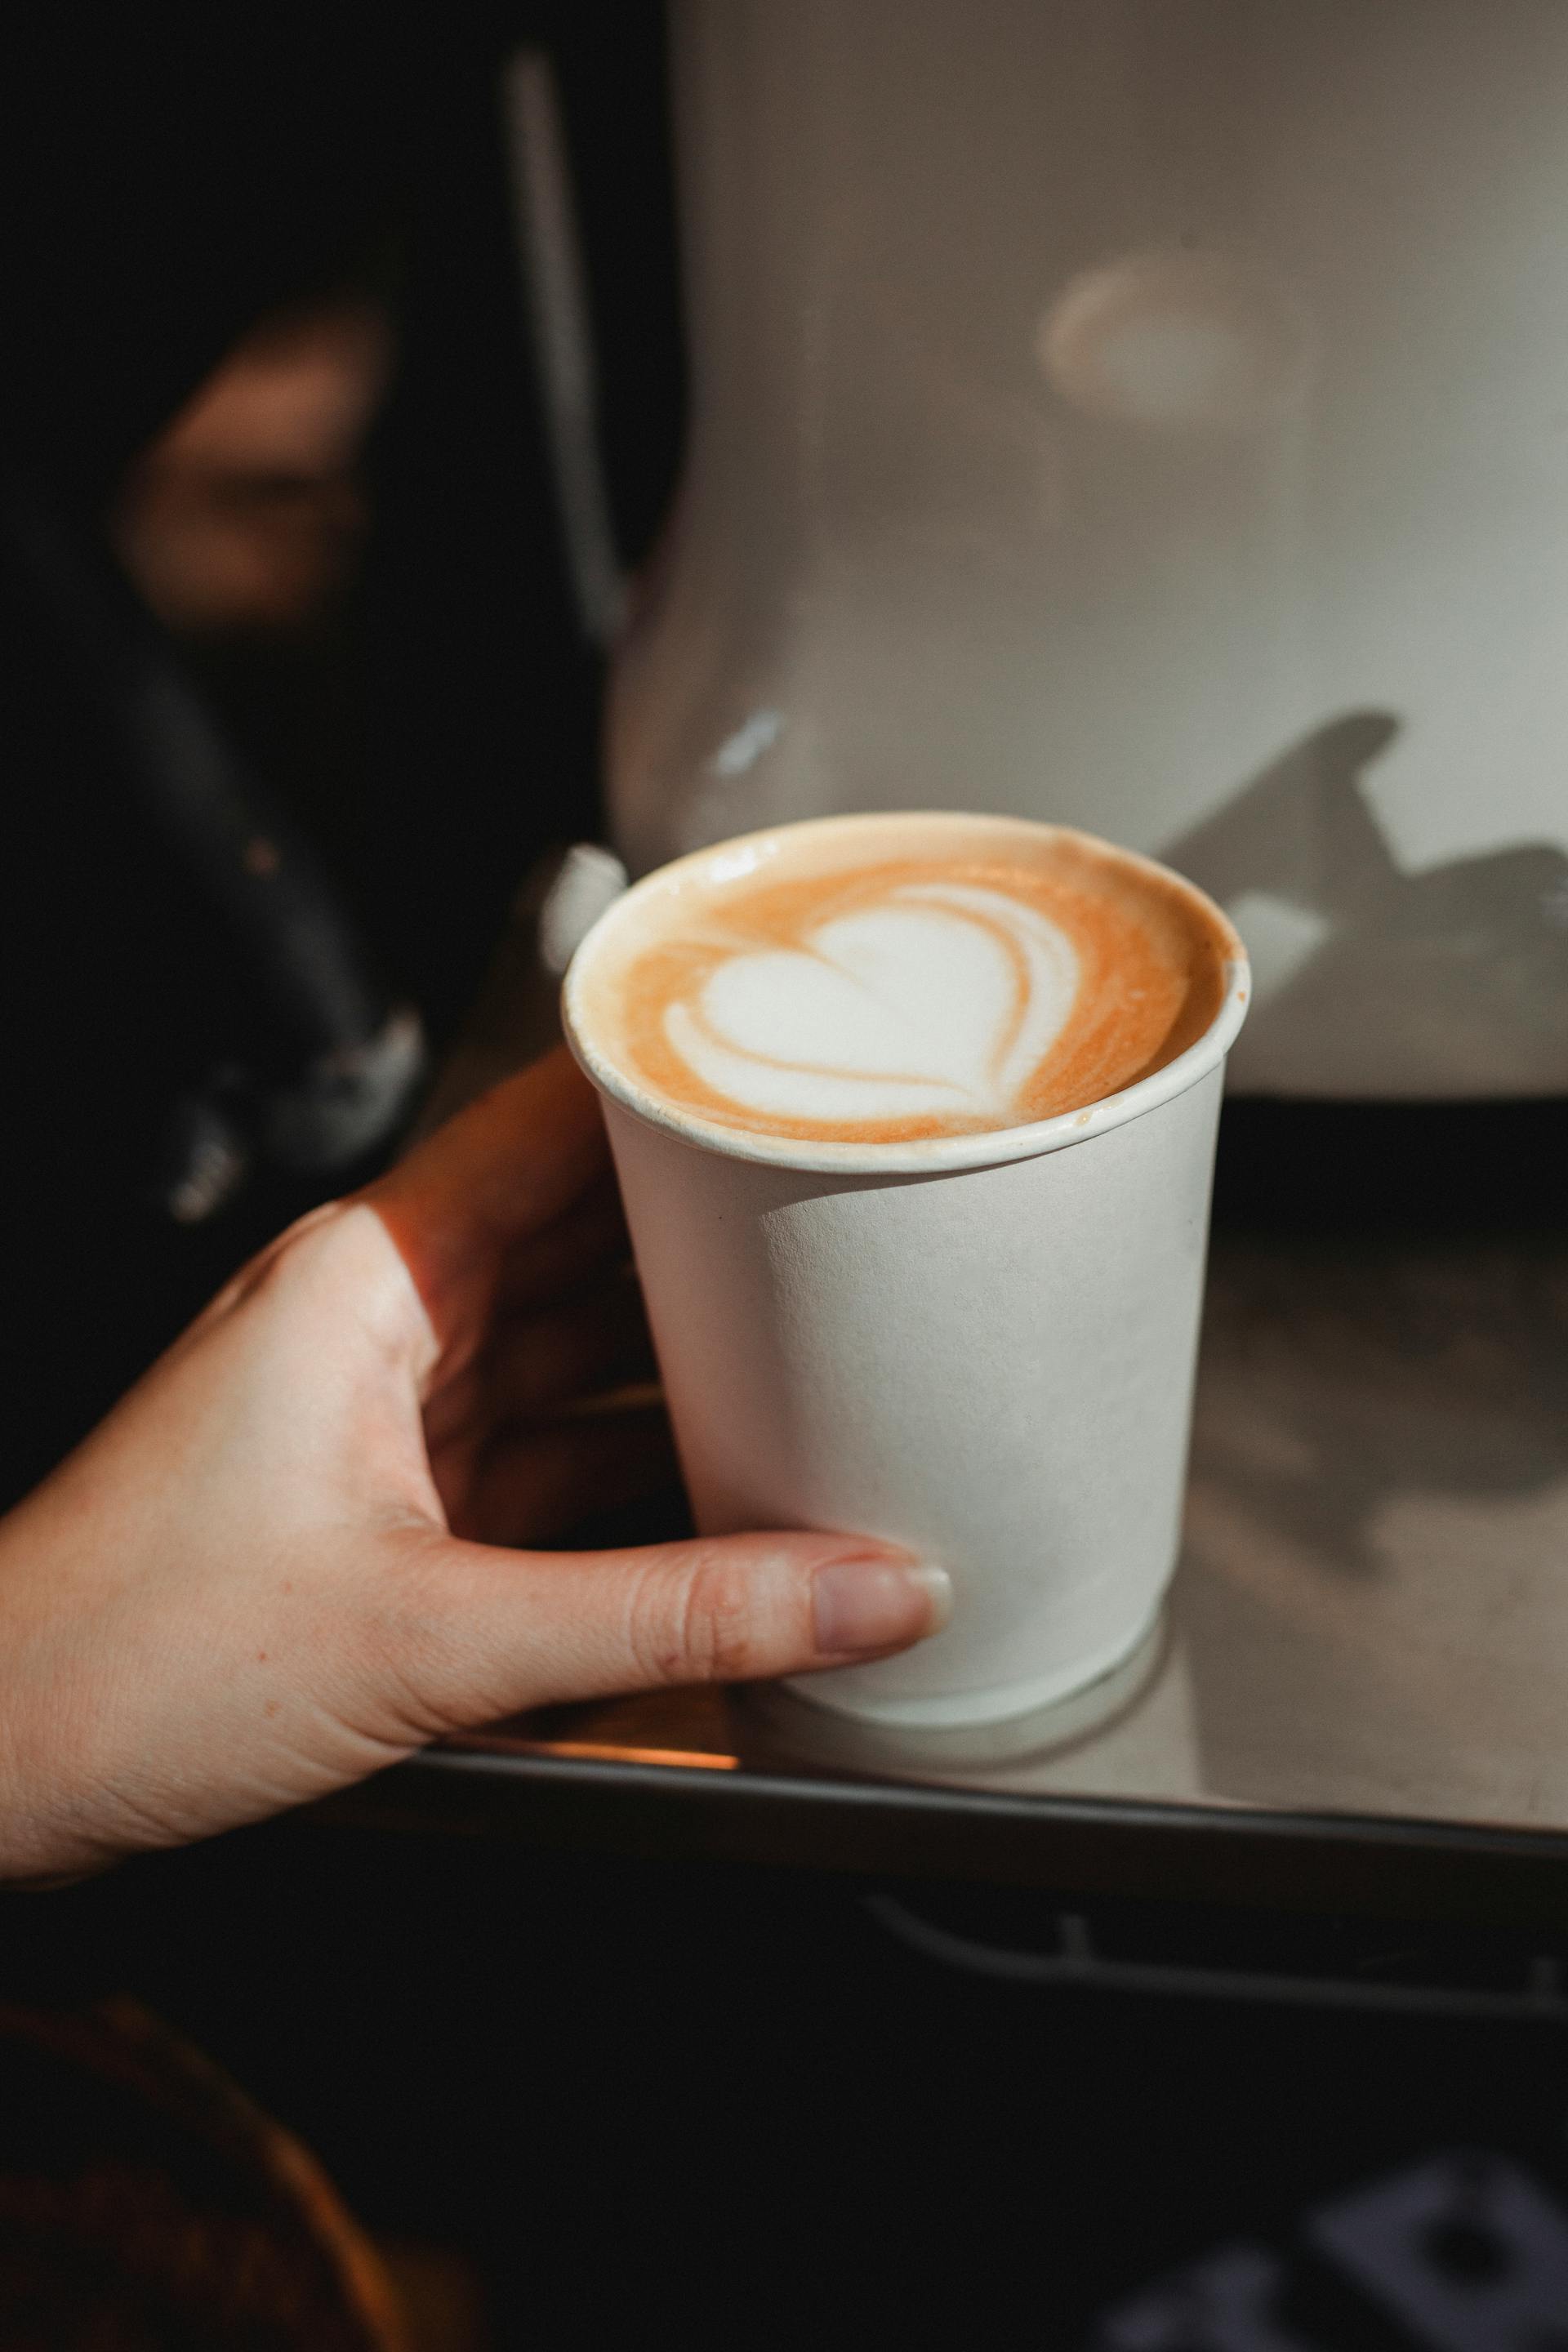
(900, 997)
(939, 1001)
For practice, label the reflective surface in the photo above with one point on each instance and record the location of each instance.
(1372, 1613)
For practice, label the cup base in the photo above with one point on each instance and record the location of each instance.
(965, 1710)
(772, 1721)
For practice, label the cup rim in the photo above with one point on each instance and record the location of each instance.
(931, 1155)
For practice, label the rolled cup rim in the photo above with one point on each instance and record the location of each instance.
(931, 1155)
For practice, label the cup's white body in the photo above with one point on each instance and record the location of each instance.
(992, 1365)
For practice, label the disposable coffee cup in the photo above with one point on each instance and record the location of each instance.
(979, 1345)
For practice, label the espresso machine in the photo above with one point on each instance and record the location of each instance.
(1153, 418)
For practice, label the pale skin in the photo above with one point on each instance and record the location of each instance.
(302, 1546)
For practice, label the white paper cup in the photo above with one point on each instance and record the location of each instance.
(979, 1345)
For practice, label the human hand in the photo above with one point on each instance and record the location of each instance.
(274, 1567)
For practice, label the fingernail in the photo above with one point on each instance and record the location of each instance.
(872, 1602)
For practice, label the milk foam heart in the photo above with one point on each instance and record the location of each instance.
(890, 998)
(939, 1001)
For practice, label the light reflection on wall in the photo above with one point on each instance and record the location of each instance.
(1178, 341)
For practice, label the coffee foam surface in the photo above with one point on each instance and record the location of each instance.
(886, 999)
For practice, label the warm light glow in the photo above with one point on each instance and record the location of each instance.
(592, 1752)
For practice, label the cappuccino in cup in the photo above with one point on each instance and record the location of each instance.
(790, 988)
(914, 1118)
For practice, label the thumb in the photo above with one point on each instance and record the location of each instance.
(519, 1629)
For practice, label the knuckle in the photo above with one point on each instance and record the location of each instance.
(297, 1252)
(340, 1261)
(288, 1267)
(697, 1623)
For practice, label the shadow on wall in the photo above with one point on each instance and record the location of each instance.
(1369, 981)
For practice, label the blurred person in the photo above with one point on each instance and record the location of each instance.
(270, 349)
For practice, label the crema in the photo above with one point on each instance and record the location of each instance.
(857, 988)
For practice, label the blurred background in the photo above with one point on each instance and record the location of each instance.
(295, 690)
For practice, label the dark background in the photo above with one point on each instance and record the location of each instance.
(175, 175)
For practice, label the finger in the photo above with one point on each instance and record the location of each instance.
(540, 1361)
(504, 1167)
(506, 1631)
(590, 1235)
(535, 1483)
(595, 1339)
